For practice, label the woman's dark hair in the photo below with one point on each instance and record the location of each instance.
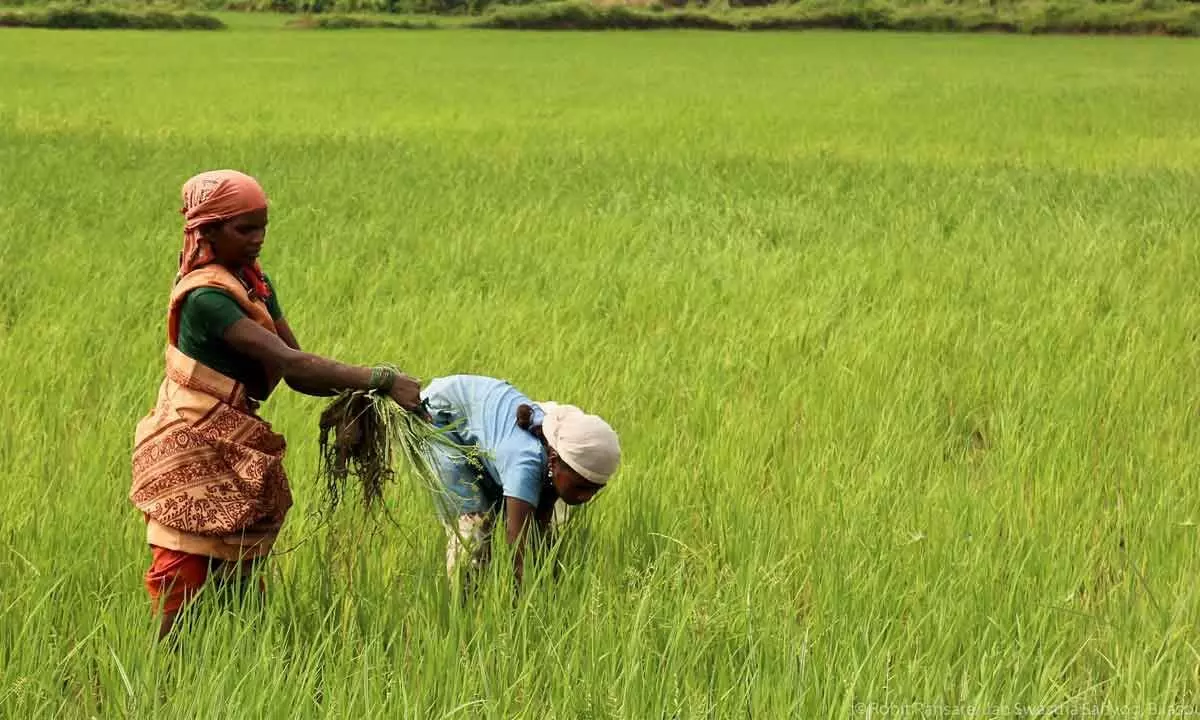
(525, 422)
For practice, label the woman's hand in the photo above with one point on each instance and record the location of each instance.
(406, 391)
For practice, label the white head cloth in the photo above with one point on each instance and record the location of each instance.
(585, 442)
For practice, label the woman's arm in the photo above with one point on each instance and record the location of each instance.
(519, 521)
(289, 338)
(545, 510)
(308, 371)
(286, 334)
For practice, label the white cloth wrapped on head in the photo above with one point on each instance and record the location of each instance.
(585, 442)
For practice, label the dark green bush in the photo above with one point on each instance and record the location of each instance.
(1114, 17)
(106, 19)
(1168, 17)
(585, 16)
(344, 22)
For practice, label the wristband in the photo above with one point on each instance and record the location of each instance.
(382, 378)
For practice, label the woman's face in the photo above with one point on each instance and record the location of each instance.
(238, 240)
(572, 488)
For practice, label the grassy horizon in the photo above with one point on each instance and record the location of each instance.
(898, 332)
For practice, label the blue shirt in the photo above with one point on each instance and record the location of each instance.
(486, 412)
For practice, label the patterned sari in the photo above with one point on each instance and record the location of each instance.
(207, 471)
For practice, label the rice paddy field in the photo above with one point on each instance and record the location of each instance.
(899, 332)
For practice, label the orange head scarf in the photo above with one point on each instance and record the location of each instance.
(215, 196)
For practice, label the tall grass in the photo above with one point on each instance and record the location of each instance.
(898, 331)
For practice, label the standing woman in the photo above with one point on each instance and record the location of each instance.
(207, 470)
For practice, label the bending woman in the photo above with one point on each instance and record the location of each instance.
(207, 470)
(532, 455)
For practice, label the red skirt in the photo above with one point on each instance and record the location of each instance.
(175, 576)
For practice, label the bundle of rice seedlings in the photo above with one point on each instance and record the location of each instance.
(363, 433)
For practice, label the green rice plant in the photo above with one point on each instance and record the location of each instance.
(364, 434)
(899, 331)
